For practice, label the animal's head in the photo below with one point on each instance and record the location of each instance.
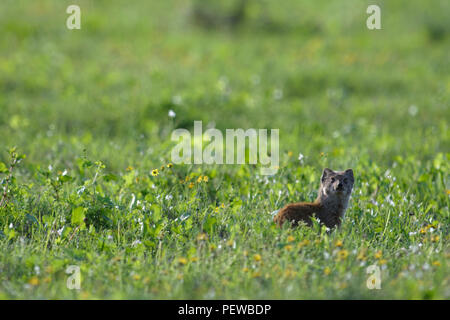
(338, 183)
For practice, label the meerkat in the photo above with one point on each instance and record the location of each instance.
(329, 207)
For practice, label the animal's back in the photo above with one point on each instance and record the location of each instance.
(296, 212)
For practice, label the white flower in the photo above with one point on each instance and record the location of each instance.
(301, 157)
(135, 243)
(277, 94)
(413, 110)
(37, 270)
(172, 114)
(177, 100)
(222, 84)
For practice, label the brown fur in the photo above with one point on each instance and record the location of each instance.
(330, 205)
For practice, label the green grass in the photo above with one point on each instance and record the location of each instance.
(89, 110)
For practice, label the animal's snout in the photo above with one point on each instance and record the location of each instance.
(340, 186)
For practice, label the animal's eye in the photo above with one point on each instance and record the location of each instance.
(333, 180)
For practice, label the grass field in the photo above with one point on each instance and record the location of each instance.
(87, 113)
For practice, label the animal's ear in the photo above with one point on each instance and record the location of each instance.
(326, 173)
(349, 174)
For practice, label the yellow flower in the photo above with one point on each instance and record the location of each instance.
(162, 168)
(216, 210)
(155, 172)
(200, 179)
(191, 185)
(257, 257)
(338, 243)
(169, 165)
(382, 261)
(289, 273)
(230, 243)
(34, 281)
(327, 271)
(129, 168)
(288, 247)
(205, 178)
(136, 277)
(194, 259)
(436, 263)
(303, 243)
(342, 285)
(362, 255)
(187, 178)
(290, 153)
(49, 269)
(222, 205)
(342, 254)
(245, 269)
(435, 239)
(290, 238)
(256, 274)
(202, 237)
(378, 254)
(84, 295)
(423, 230)
(182, 260)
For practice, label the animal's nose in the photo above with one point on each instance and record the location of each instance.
(340, 185)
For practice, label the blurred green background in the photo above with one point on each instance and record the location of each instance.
(312, 69)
